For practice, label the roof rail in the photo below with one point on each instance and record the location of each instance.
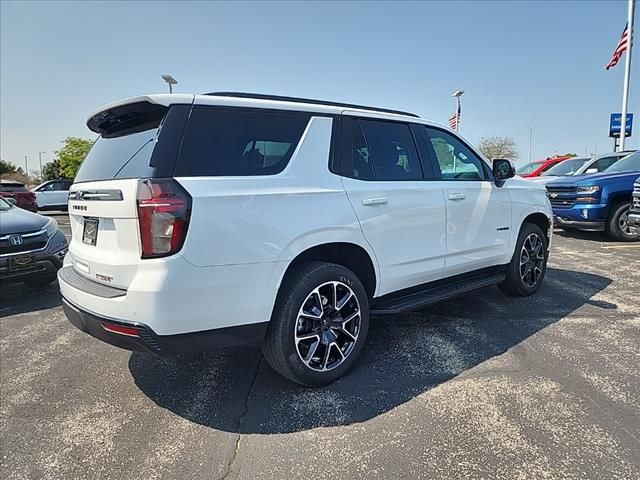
(260, 96)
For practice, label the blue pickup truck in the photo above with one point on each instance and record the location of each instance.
(598, 202)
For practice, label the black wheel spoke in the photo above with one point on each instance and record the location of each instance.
(532, 257)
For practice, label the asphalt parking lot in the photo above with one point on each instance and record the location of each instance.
(482, 386)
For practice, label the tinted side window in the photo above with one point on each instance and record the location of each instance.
(391, 150)
(456, 160)
(604, 163)
(46, 187)
(239, 142)
(361, 155)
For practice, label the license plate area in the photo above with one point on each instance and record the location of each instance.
(25, 262)
(90, 231)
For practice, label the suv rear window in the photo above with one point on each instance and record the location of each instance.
(119, 157)
(136, 140)
(239, 142)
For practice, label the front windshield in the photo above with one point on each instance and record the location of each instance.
(627, 164)
(566, 167)
(4, 205)
(528, 168)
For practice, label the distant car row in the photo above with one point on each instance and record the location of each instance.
(595, 194)
(51, 195)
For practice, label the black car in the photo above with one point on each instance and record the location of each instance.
(32, 246)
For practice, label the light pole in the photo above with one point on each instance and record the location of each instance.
(530, 135)
(40, 158)
(627, 75)
(457, 94)
(26, 166)
(170, 81)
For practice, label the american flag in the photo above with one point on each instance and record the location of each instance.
(454, 120)
(620, 49)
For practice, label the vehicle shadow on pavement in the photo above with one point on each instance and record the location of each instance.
(236, 391)
(583, 235)
(19, 298)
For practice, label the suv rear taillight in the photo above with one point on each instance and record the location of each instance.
(164, 208)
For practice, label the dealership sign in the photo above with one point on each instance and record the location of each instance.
(615, 124)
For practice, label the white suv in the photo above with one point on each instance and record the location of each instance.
(203, 221)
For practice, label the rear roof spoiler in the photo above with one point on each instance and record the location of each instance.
(132, 114)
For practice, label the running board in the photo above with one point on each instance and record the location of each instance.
(394, 304)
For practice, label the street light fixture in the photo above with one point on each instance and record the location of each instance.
(170, 81)
(40, 158)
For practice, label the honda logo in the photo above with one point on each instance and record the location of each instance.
(16, 240)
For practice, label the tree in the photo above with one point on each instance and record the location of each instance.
(7, 167)
(71, 155)
(51, 170)
(498, 147)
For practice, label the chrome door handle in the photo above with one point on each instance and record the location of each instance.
(374, 201)
(457, 196)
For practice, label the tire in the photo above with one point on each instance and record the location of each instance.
(40, 281)
(617, 226)
(517, 283)
(296, 346)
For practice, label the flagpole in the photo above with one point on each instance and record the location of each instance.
(627, 74)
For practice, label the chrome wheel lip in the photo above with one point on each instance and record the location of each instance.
(532, 257)
(325, 337)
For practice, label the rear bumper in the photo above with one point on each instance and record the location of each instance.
(173, 297)
(143, 338)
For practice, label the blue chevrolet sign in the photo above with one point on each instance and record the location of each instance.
(615, 122)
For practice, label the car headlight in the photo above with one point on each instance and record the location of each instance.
(588, 190)
(51, 227)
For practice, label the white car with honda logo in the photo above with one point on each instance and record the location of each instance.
(227, 219)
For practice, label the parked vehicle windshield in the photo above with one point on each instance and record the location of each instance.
(528, 168)
(4, 205)
(627, 164)
(566, 167)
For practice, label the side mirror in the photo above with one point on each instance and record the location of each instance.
(591, 170)
(11, 200)
(502, 170)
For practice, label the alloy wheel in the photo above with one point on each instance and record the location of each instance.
(327, 326)
(623, 223)
(531, 260)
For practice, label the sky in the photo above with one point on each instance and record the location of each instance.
(522, 65)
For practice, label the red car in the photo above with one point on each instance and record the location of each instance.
(535, 169)
(23, 197)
